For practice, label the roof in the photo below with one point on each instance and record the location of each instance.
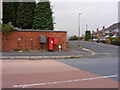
(114, 26)
(99, 32)
(110, 28)
(27, 30)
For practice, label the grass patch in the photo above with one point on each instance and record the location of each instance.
(16, 49)
(27, 50)
(70, 57)
(68, 47)
(80, 46)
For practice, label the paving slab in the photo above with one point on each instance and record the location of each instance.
(50, 74)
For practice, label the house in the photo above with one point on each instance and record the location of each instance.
(111, 31)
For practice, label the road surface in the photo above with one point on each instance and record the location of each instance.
(98, 71)
(103, 62)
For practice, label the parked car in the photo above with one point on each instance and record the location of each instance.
(95, 40)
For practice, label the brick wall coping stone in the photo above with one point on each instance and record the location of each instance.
(25, 30)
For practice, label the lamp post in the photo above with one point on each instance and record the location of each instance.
(79, 26)
(86, 27)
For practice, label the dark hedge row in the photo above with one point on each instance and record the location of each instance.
(28, 15)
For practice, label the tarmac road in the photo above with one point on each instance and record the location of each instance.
(103, 62)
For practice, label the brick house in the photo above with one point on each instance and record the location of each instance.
(111, 31)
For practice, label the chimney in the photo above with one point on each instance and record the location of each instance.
(83, 35)
(103, 27)
(97, 29)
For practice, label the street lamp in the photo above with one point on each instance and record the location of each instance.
(79, 26)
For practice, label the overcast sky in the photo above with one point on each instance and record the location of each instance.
(95, 14)
(0, 11)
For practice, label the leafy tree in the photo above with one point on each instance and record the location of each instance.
(43, 16)
(25, 14)
(8, 12)
(73, 38)
(87, 35)
(81, 38)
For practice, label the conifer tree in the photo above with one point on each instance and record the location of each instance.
(16, 4)
(25, 14)
(87, 35)
(43, 16)
(8, 12)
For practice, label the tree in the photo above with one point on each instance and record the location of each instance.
(25, 14)
(43, 16)
(73, 38)
(8, 12)
(87, 35)
(16, 5)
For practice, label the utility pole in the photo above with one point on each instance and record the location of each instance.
(1, 10)
(86, 27)
(79, 26)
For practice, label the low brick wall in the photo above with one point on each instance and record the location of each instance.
(28, 39)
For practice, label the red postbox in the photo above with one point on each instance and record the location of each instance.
(50, 44)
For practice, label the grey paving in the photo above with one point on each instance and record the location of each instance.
(73, 51)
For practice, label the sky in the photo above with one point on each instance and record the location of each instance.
(95, 14)
(119, 11)
(0, 10)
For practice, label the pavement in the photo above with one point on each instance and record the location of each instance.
(74, 51)
(50, 74)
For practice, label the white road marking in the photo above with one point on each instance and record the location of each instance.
(85, 49)
(103, 53)
(93, 53)
(67, 81)
(89, 50)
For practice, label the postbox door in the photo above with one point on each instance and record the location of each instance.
(50, 44)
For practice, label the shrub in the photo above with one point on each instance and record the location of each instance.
(16, 49)
(26, 50)
(115, 41)
(81, 38)
(73, 38)
(6, 29)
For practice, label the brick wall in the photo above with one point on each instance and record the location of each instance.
(30, 40)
